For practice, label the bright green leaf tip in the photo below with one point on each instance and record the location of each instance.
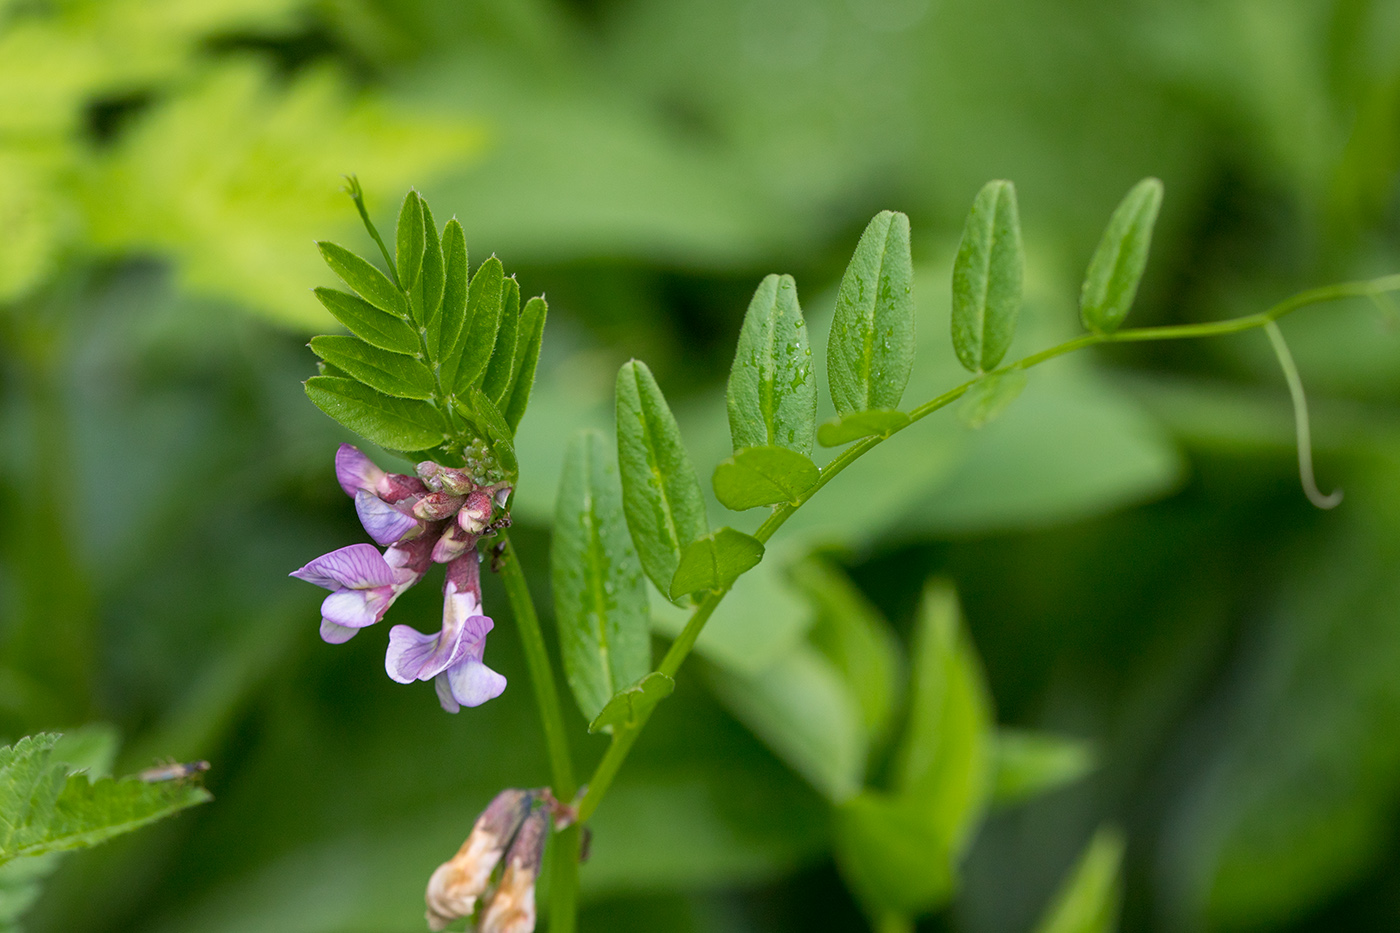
(1111, 282)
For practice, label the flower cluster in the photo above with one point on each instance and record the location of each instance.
(434, 517)
(511, 827)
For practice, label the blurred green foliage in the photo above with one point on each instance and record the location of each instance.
(1135, 562)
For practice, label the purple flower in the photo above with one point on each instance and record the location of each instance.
(454, 655)
(437, 518)
(362, 589)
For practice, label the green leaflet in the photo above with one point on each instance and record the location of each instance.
(941, 774)
(854, 425)
(527, 355)
(631, 705)
(425, 297)
(1112, 280)
(871, 349)
(391, 373)
(600, 598)
(1032, 763)
(410, 241)
(757, 476)
(714, 561)
(44, 809)
(987, 278)
(856, 639)
(483, 321)
(660, 492)
(497, 381)
(371, 284)
(990, 396)
(1090, 898)
(772, 393)
(445, 328)
(367, 322)
(395, 423)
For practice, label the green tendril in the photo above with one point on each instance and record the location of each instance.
(1300, 419)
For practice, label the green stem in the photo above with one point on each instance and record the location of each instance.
(541, 673)
(624, 739)
(563, 881)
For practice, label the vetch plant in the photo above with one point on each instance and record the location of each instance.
(438, 368)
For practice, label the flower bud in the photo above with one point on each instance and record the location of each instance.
(456, 884)
(512, 908)
(476, 512)
(439, 478)
(452, 545)
(436, 506)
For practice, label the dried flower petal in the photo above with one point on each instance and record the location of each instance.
(455, 886)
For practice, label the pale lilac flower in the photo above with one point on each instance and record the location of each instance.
(437, 518)
(361, 584)
(454, 655)
(385, 523)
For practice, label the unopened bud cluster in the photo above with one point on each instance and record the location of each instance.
(509, 834)
(436, 516)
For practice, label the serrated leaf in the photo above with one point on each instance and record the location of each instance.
(484, 297)
(45, 809)
(600, 598)
(871, 349)
(714, 561)
(856, 639)
(527, 358)
(409, 240)
(772, 392)
(987, 278)
(633, 704)
(990, 396)
(391, 373)
(1031, 763)
(661, 494)
(1090, 898)
(857, 424)
(1111, 283)
(445, 329)
(497, 381)
(367, 322)
(365, 278)
(425, 297)
(758, 476)
(395, 423)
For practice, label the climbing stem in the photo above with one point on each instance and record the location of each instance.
(624, 738)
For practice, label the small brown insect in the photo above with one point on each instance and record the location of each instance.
(173, 771)
(498, 557)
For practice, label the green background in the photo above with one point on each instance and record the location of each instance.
(1137, 563)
